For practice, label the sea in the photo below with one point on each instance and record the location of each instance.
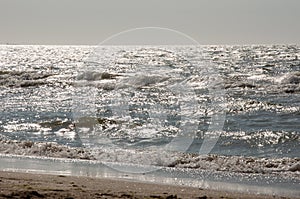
(216, 108)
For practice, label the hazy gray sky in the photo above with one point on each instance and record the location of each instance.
(207, 21)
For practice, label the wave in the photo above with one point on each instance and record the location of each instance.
(291, 78)
(23, 79)
(285, 167)
(95, 76)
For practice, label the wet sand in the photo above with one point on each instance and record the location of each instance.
(29, 185)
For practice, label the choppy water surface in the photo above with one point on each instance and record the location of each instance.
(44, 90)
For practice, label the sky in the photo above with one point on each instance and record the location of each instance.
(89, 22)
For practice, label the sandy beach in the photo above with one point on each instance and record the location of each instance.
(29, 185)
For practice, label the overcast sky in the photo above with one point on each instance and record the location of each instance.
(207, 21)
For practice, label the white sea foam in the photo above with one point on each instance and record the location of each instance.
(285, 167)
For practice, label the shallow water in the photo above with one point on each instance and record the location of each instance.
(215, 180)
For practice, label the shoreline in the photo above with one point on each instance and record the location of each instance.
(33, 185)
(25, 177)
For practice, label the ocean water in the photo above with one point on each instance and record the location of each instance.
(126, 104)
